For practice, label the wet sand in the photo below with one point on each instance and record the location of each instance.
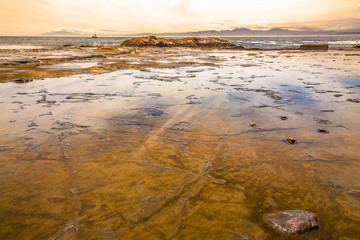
(177, 143)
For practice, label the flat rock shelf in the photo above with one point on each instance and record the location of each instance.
(114, 142)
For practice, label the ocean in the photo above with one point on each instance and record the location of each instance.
(263, 42)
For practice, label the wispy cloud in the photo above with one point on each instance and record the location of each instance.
(137, 16)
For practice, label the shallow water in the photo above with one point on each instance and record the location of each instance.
(170, 153)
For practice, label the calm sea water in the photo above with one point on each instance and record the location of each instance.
(266, 42)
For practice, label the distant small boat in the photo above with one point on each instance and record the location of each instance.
(94, 36)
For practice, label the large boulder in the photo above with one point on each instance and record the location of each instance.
(292, 221)
(193, 42)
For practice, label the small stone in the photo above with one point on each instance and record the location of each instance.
(283, 117)
(322, 131)
(337, 95)
(252, 124)
(354, 100)
(334, 184)
(292, 221)
(291, 140)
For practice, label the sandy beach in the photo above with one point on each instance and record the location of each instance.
(177, 143)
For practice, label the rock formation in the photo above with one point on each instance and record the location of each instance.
(193, 42)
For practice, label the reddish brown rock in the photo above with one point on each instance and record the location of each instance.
(292, 221)
(193, 42)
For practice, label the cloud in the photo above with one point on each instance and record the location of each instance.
(27, 17)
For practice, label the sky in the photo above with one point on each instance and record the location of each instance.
(32, 17)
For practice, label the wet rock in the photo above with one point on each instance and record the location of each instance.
(253, 124)
(354, 100)
(33, 124)
(46, 114)
(314, 47)
(22, 80)
(354, 193)
(67, 125)
(107, 49)
(193, 102)
(292, 221)
(43, 100)
(154, 95)
(334, 184)
(337, 95)
(283, 118)
(341, 126)
(322, 131)
(291, 141)
(321, 121)
(152, 41)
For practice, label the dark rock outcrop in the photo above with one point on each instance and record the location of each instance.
(292, 221)
(193, 42)
(314, 47)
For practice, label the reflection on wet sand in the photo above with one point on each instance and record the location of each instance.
(198, 151)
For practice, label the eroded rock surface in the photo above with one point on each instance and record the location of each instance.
(292, 221)
(194, 42)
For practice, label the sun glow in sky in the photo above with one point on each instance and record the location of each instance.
(31, 17)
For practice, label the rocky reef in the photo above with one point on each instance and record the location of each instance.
(193, 42)
(314, 47)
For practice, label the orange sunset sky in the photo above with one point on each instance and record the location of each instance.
(32, 17)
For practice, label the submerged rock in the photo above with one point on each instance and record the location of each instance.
(322, 131)
(354, 100)
(314, 47)
(291, 141)
(194, 42)
(335, 184)
(354, 193)
(292, 221)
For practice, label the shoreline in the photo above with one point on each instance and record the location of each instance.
(44, 61)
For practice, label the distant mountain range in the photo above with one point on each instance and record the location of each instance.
(61, 33)
(249, 32)
(223, 33)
